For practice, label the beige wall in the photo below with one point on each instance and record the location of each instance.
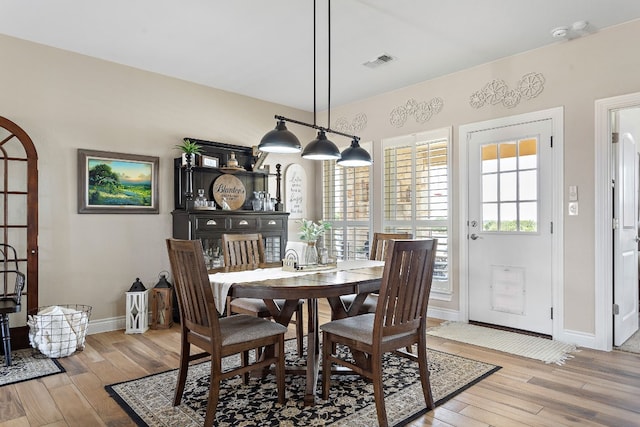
(576, 74)
(66, 101)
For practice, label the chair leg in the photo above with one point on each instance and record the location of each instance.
(6, 338)
(182, 371)
(299, 330)
(214, 394)
(424, 375)
(280, 369)
(378, 393)
(245, 362)
(327, 348)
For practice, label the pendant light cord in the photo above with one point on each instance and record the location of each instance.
(328, 64)
(314, 63)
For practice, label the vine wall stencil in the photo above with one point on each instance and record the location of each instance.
(357, 124)
(422, 111)
(497, 91)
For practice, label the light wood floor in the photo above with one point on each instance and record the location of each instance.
(593, 389)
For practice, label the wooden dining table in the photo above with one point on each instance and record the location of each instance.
(350, 277)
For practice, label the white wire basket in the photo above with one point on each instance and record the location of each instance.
(59, 330)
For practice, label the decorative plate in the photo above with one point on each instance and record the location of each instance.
(227, 188)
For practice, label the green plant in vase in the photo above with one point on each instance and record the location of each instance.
(310, 232)
(190, 149)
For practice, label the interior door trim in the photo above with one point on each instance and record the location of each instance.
(603, 218)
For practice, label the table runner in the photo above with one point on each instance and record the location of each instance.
(222, 282)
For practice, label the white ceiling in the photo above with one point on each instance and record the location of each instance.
(264, 48)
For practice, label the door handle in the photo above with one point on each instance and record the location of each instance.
(474, 236)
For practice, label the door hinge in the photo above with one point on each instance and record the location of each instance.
(615, 224)
(616, 309)
(551, 313)
(551, 227)
(551, 141)
(615, 137)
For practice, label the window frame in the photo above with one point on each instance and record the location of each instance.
(441, 289)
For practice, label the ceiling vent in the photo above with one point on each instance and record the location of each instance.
(380, 60)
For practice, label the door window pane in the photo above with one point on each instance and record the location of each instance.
(510, 186)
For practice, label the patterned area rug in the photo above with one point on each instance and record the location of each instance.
(546, 350)
(26, 365)
(148, 400)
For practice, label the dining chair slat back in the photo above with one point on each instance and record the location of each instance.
(399, 321)
(243, 249)
(380, 243)
(248, 250)
(217, 337)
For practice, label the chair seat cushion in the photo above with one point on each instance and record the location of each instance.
(254, 304)
(359, 328)
(242, 328)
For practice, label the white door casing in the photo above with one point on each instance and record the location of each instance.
(603, 259)
(552, 297)
(625, 243)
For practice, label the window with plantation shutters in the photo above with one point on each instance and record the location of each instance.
(347, 205)
(416, 193)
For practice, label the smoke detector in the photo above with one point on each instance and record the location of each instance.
(560, 32)
(380, 60)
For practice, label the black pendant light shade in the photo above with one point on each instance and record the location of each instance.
(321, 149)
(355, 156)
(280, 140)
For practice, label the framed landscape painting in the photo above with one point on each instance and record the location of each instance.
(117, 183)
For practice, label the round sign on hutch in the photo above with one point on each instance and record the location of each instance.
(227, 188)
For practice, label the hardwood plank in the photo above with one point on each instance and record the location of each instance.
(75, 408)
(40, 407)
(592, 389)
(11, 407)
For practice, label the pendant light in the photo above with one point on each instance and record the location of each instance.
(355, 156)
(322, 148)
(280, 140)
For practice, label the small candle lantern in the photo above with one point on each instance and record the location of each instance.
(162, 304)
(137, 321)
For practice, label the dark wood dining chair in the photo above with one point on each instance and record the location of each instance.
(11, 297)
(248, 250)
(378, 251)
(217, 337)
(399, 321)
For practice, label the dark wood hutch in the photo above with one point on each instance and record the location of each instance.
(207, 224)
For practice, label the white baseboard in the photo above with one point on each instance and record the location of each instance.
(444, 314)
(581, 339)
(106, 325)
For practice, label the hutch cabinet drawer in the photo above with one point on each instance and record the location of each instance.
(272, 224)
(210, 223)
(240, 224)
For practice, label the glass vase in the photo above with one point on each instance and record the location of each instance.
(311, 254)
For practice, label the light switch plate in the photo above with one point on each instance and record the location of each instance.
(573, 193)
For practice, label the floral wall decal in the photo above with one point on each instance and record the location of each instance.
(422, 111)
(497, 91)
(359, 122)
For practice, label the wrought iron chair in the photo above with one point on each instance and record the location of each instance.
(217, 337)
(11, 299)
(248, 249)
(399, 321)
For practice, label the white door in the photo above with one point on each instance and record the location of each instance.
(625, 244)
(510, 226)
